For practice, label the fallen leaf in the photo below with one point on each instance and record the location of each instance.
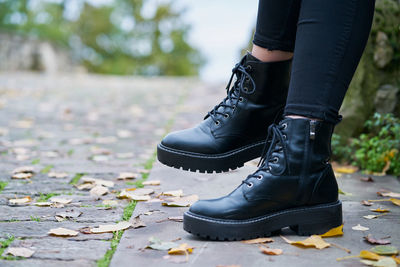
(383, 262)
(366, 203)
(111, 227)
(372, 240)
(176, 218)
(182, 249)
(43, 204)
(385, 250)
(127, 155)
(20, 252)
(258, 240)
(367, 179)
(124, 133)
(337, 231)
(157, 244)
(60, 200)
(380, 210)
(313, 241)
(22, 175)
(110, 202)
(174, 193)
(127, 175)
(365, 254)
(370, 216)
(68, 214)
(95, 181)
(129, 195)
(181, 201)
(85, 186)
(395, 201)
(271, 251)
(144, 191)
(22, 200)
(62, 232)
(344, 193)
(346, 169)
(396, 259)
(24, 169)
(137, 222)
(154, 182)
(358, 227)
(59, 175)
(98, 191)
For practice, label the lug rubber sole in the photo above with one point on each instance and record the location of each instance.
(306, 220)
(208, 163)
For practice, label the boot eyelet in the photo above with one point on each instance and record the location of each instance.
(284, 125)
(248, 68)
(226, 115)
(269, 169)
(217, 123)
(245, 89)
(240, 99)
(259, 177)
(249, 184)
(275, 160)
(284, 136)
(233, 107)
(247, 79)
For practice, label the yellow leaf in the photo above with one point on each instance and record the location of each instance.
(20, 200)
(313, 241)
(346, 169)
(271, 251)
(365, 254)
(396, 259)
(258, 240)
(380, 210)
(395, 201)
(337, 231)
(183, 249)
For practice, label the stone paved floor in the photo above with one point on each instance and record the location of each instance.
(101, 126)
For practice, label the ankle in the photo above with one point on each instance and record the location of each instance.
(265, 55)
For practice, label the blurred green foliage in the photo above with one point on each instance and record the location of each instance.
(377, 150)
(116, 36)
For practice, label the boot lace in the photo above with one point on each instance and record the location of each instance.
(275, 143)
(234, 93)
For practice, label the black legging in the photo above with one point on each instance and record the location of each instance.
(327, 37)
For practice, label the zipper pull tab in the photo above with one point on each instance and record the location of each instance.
(312, 129)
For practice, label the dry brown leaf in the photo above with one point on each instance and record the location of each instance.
(22, 200)
(137, 222)
(313, 241)
(60, 200)
(20, 252)
(358, 227)
(127, 175)
(22, 175)
(258, 240)
(85, 186)
(144, 191)
(95, 181)
(132, 196)
(154, 182)
(24, 169)
(183, 249)
(62, 232)
(380, 210)
(111, 227)
(271, 251)
(181, 201)
(367, 179)
(43, 204)
(174, 193)
(366, 203)
(337, 231)
(372, 240)
(98, 191)
(59, 175)
(176, 218)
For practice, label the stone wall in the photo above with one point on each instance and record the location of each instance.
(23, 53)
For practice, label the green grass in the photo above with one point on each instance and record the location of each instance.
(47, 169)
(70, 152)
(45, 197)
(35, 219)
(35, 161)
(76, 178)
(3, 185)
(105, 261)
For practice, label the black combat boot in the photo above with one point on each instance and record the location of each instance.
(234, 131)
(294, 186)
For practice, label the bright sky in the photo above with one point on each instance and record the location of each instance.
(219, 30)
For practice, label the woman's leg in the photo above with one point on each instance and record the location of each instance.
(295, 185)
(331, 37)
